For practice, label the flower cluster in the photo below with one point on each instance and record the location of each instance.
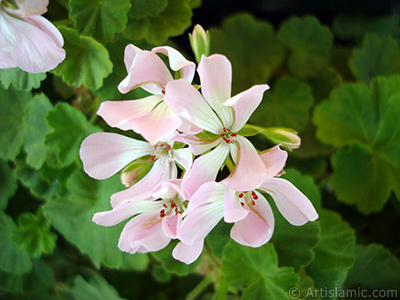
(28, 40)
(170, 194)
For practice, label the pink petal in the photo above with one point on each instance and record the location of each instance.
(293, 205)
(161, 171)
(168, 189)
(215, 74)
(274, 160)
(188, 127)
(257, 228)
(205, 210)
(188, 253)
(31, 45)
(197, 145)
(124, 211)
(204, 169)
(104, 154)
(183, 157)
(130, 53)
(122, 114)
(143, 234)
(32, 7)
(159, 124)
(233, 211)
(196, 111)
(170, 225)
(147, 67)
(245, 103)
(249, 166)
(178, 62)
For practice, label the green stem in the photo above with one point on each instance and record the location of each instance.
(200, 287)
(210, 253)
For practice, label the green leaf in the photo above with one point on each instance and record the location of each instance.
(350, 26)
(334, 254)
(94, 288)
(379, 55)
(70, 128)
(87, 61)
(8, 184)
(143, 8)
(13, 259)
(310, 44)
(287, 105)
(374, 268)
(259, 271)
(34, 235)
(72, 216)
(251, 46)
(12, 112)
(367, 121)
(100, 19)
(156, 30)
(36, 129)
(21, 80)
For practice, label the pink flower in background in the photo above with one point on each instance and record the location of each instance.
(217, 112)
(150, 116)
(28, 40)
(249, 210)
(155, 221)
(104, 154)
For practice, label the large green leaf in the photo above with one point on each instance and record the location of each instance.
(310, 44)
(334, 254)
(100, 19)
(379, 55)
(286, 105)
(8, 184)
(36, 129)
(12, 112)
(257, 269)
(87, 61)
(21, 80)
(70, 128)
(94, 288)
(156, 30)
(143, 8)
(13, 258)
(374, 268)
(367, 121)
(34, 235)
(251, 46)
(72, 216)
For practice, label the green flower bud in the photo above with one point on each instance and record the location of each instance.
(200, 42)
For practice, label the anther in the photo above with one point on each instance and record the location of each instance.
(153, 158)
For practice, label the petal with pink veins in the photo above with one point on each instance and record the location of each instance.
(170, 225)
(257, 228)
(233, 211)
(245, 103)
(274, 160)
(185, 100)
(204, 169)
(249, 166)
(188, 253)
(177, 62)
(197, 145)
(143, 189)
(122, 114)
(104, 154)
(215, 73)
(293, 204)
(147, 67)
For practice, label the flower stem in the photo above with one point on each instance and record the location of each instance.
(200, 287)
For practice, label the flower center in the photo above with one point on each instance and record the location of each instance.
(228, 136)
(162, 150)
(248, 198)
(171, 207)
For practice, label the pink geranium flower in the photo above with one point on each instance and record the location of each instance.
(104, 154)
(150, 116)
(155, 221)
(28, 40)
(249, 210)
(217, 112)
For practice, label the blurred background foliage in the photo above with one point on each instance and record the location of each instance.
(334, 72)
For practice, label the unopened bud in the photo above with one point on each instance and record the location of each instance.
(135, 171)
(200, 42)
(285, 136)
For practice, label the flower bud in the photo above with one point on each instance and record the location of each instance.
(284, 136)
(200, 42)
(135, 171)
